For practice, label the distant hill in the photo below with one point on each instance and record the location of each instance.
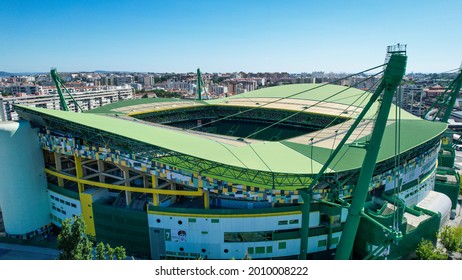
(8, 74)
(5, 74)
(107, 72)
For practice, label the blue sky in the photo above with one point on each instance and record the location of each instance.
(227, 36)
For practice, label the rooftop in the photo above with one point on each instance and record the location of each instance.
(291, 156)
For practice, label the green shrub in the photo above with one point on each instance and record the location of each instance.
(426, 251)
(451, 238)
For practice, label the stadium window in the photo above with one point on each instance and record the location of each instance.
(192, 220)
(250, 250)
(73, 205)
(64, 212)
(322, 243)
(53, 207)
(269, 249)
(248, 236)
(282, 245)
(334, 240)
(59, 210)
(52, 196)
(204, 232)
(324, 219)
(293, 222)
(281, 223)
(62, 201)
(68, 203)
(259, 250)
(215, 221)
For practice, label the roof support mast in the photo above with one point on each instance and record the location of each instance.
(199, 84)
(396, 64)
(445, 102)
(454, 90)
(392, 78)
(60, 83)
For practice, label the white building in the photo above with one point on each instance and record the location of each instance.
(24, 89)
(87, 100)
(148, 81)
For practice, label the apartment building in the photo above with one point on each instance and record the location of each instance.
(87, 100)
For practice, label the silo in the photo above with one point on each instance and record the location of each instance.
(23, 186)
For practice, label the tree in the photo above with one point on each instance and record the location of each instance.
(120, 253)
(109, 252)
(426, 251)
(72, 241)
(85, 250)
(74, 244)
(451, 238)
(106, 252)
(100, 251)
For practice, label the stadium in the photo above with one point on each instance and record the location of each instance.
(223, 179)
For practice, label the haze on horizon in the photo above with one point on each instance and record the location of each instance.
(227, 36)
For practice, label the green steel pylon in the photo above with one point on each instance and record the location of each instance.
(199, 84)
(445, 102)
(60, 83)
(392, 77)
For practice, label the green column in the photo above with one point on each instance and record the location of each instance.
(455, 90)
(198, 85)
(393, 75)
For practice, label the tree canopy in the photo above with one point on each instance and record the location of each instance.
(75, 245)
(72, 241)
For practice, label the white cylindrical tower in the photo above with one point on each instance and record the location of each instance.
(23, 186)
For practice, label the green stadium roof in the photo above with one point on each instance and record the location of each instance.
(281, 157)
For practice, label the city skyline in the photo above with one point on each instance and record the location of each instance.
(230, 36)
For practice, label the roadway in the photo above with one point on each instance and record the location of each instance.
(23, 252)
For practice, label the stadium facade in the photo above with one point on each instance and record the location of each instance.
(184, 179)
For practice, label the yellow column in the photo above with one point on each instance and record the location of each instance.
(79, 172)
(155, 184)
(86, 200)
(58, 167)
(206, 199)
